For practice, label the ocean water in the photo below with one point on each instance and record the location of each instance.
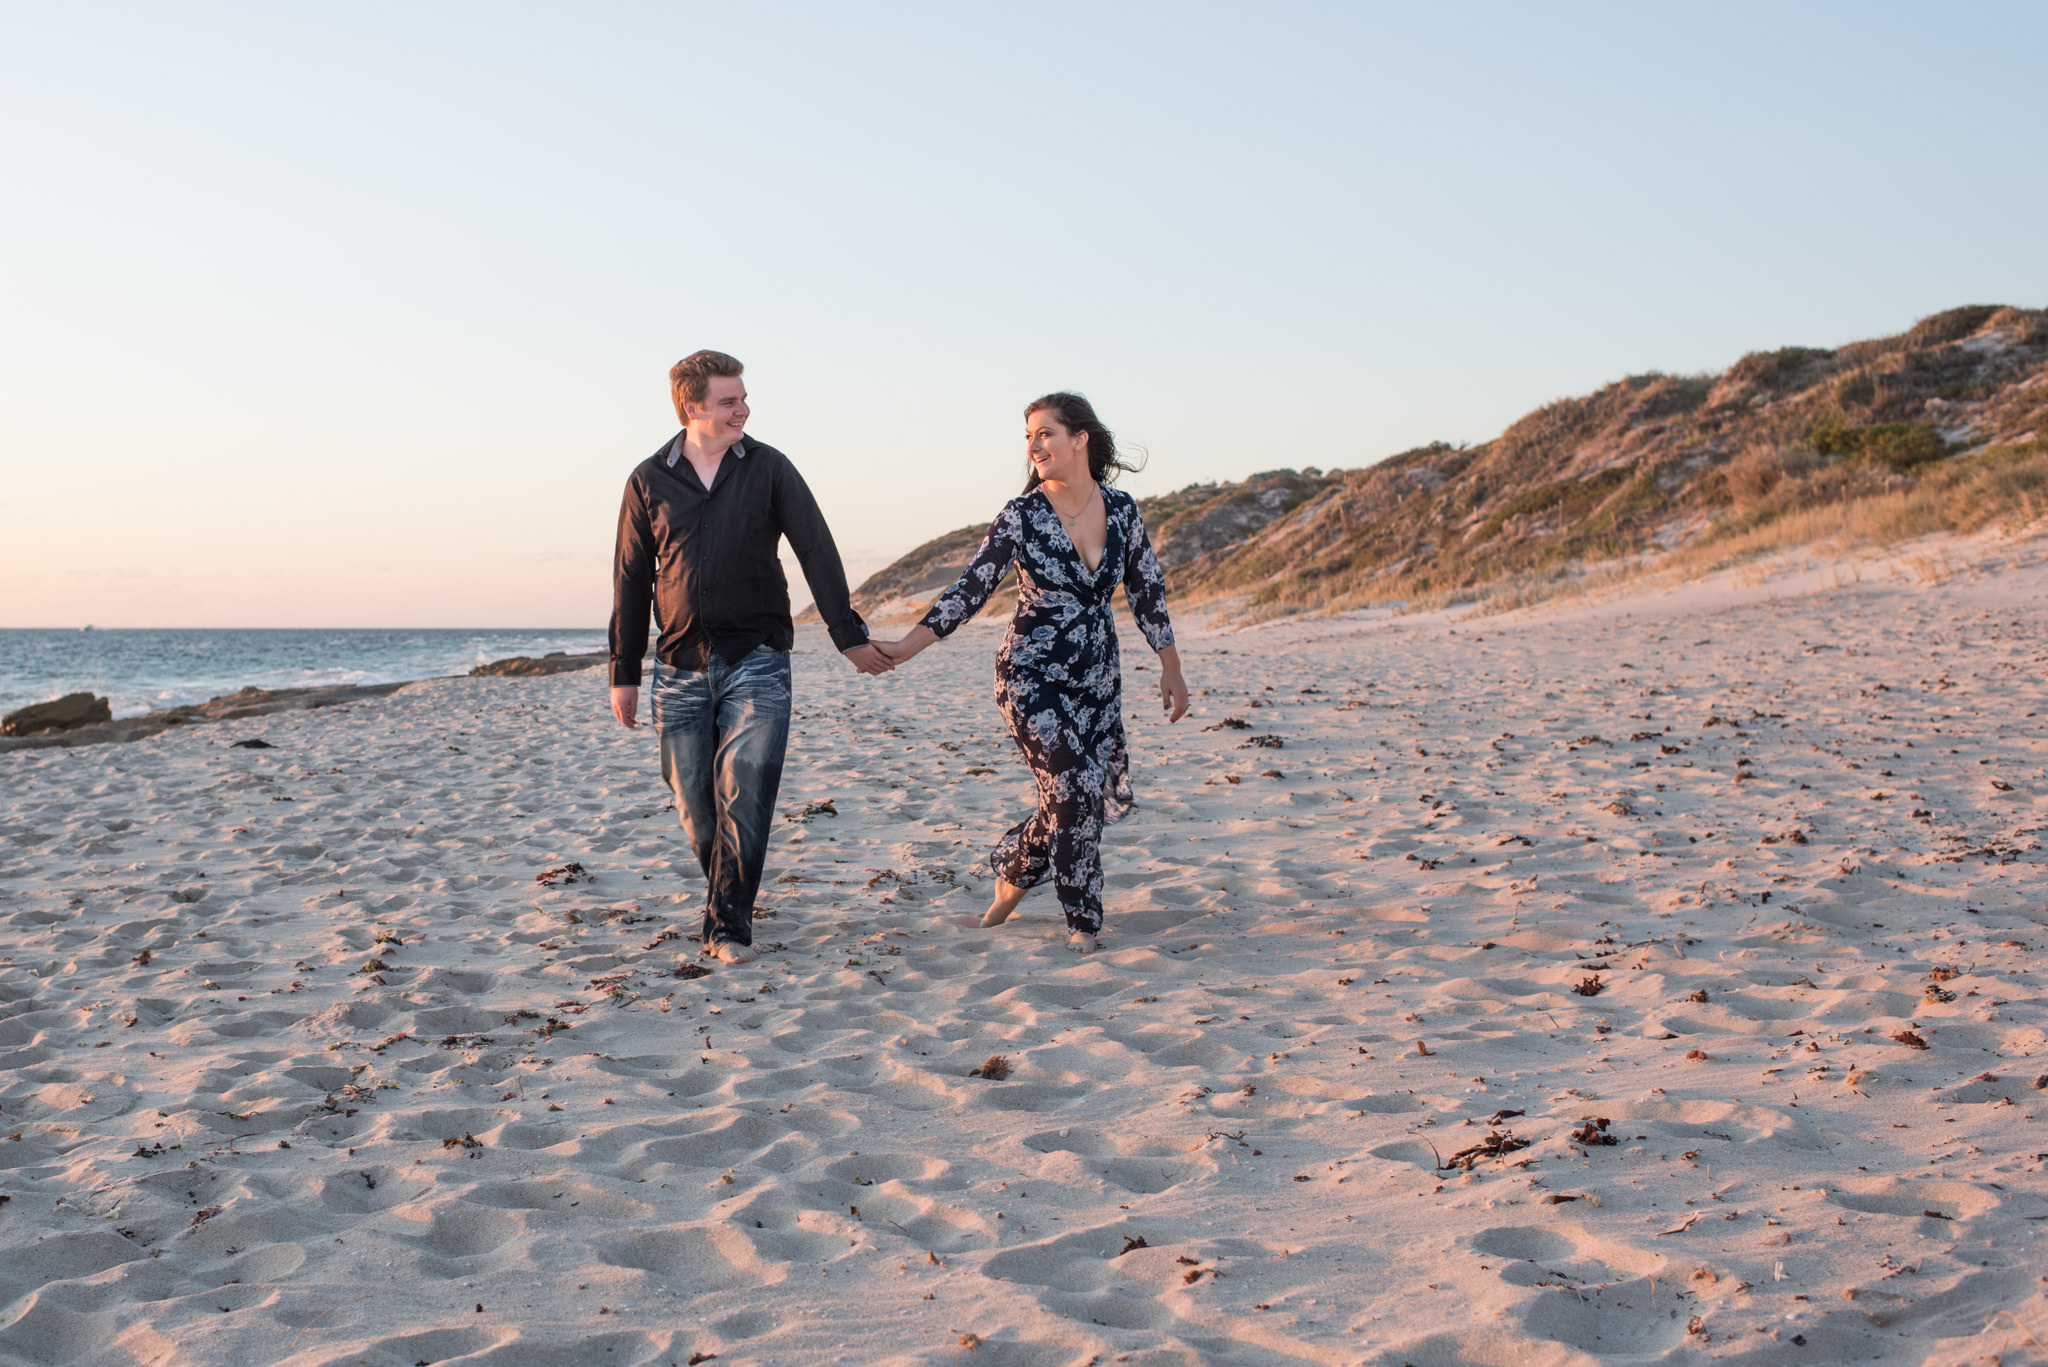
(147, 671)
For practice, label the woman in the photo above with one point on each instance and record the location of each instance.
(1058, 679)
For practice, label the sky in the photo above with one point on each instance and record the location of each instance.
(360, 315)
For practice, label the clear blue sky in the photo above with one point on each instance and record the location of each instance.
(359, 315)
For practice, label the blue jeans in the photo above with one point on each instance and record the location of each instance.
(724, 729)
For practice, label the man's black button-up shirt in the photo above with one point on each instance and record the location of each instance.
(706, 561)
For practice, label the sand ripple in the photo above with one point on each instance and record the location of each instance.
(1737, 944)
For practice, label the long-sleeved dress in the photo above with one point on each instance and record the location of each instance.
(1059, 682)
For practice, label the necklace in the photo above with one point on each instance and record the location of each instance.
(1085, 506)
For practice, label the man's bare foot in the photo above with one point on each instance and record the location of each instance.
(1081, 942)
(726, 952)
(1008, 895)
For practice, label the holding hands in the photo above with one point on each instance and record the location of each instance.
(869, 660)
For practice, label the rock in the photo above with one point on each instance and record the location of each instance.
(67, 713)
(246, 702)
(261, 702)
(554, 662)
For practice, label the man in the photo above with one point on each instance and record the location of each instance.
(698, 532)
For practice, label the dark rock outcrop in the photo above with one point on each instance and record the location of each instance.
(98, 727)
(67, 713)
(261, 702)
(526, 667)
(246, 702)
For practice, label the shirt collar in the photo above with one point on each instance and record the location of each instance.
(675, 450)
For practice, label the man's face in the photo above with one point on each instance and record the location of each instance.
(724, 410)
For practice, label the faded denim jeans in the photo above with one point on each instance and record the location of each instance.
(724, 729)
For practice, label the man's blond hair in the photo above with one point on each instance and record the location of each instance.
(690, 378)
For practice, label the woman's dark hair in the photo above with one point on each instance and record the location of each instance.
(1076, 414)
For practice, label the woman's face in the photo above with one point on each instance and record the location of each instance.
(1056, 453)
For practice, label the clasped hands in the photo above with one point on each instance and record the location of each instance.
(869, 660)
(879, 657)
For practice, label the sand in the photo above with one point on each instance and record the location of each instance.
(1654, 898)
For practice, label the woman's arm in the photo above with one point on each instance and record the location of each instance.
(1145, 591)
(1173, 689)
(916, 640)
(969, 594)
(1145, 585)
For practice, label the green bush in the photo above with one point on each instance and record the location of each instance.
(1896, 446)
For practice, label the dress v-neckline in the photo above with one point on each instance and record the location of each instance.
(1075, 546)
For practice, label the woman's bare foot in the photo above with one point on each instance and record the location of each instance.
(1008, 895)
(1081, 942)
(726, 952)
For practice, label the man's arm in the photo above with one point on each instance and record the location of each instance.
(632, 598)
(798, 517)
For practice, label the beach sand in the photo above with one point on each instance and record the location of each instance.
(1717, 914)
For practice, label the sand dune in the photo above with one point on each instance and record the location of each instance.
(1705, 928)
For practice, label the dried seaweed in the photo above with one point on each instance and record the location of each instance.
(1497, 1144)
(1593, 1131)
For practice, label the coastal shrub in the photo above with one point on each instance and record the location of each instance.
(2028, 326)
(1951, 325)
(1561, 496)
(1644, 494)
(1668, 396)
(1852, 504)
(1896, 446)
(1856, 391)
(1549, 435)
(1784, 368)
(1762, 470)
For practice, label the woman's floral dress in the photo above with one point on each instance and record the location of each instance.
(1060, 683)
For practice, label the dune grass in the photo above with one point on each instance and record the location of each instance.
(1961, 495)
(1843, 507)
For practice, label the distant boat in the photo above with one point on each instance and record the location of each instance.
(88, 627)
